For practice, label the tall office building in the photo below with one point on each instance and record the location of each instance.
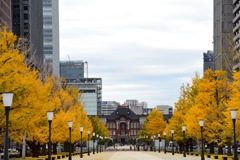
(236, 34)
(51, 36)
(27, 22)
(223, 29)
(5, 13)
(208, 61)
(91, 88)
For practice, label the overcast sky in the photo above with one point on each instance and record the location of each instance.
(142, 49)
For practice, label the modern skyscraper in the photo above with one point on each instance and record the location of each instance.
(5, 13)
(223, 29)
(236, 34)
(208, 61)
(27, 22)
(51, 35)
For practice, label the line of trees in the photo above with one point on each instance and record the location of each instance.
(210, 98)
(33, 97)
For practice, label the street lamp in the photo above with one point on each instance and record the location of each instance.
(172, 131)
(101, 143)
(201, 123)
(234, 116)
(81, 153)
(164, 133)
(50, 117)
(93, 142)
(184, 149)
(97, 143)
(88, 142)
(154, 143)
(114, 137)
(70, 137)
(7, 102)
(159, 139)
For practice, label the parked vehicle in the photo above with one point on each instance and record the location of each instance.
(238, 149)
(12, 153)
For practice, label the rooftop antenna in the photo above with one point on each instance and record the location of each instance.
(86, 68)
(68, 58)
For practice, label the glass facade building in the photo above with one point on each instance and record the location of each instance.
(72, 71)
(90, 88)
(51, 36)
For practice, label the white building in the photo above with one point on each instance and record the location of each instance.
(166, 109)
(108, 107)
(135, 106)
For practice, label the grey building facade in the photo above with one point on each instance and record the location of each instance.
(236, 35)
(208, 61)
(27, 22)
(51, 36)
(6, 13)
(222, 36)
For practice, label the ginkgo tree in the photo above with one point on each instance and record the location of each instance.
(34, 97)
(213, 94)
(154, 124)
(233, 104)
(185, 102)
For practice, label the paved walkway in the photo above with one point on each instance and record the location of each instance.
(134, 155)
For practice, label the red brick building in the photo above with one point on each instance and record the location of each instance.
(123, 124)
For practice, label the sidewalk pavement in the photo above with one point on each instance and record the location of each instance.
(136, 155)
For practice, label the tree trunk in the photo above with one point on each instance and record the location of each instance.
(220, 149)
(211, 148)
(24, 146)
(229, 143)
(54, 148)
(187, 146)
(198, 145)
(34, 148)
(44, 150)
(191, 145)
(66, 147)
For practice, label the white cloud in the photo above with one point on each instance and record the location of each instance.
(143, 49)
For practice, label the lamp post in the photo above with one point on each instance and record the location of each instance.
(172, 131)
(7, 102)
(50, 117)
(154, 146)
(184, 148)
(234, 116)
(101, 144)
(114, 138)
(159, 139)
(70, 137)
(164, 134)
(93, 142)
(81, 153)
(201, 123)
(88, 132)
(97, 143)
